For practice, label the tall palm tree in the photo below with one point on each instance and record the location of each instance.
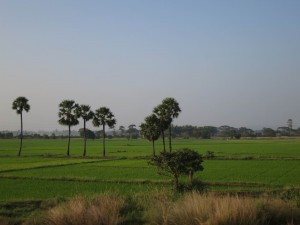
(20, 104)
(85, 112)
(68, 116)
(150, 129)
(162, 114)
(103, 116)
(172, 110)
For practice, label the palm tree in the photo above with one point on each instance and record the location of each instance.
(162, 114)
(84, 111)
(20, 104)
(173, 110)
(151, 129)
(68, 116)
(103, 116)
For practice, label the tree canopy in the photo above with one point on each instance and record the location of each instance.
(183, 161)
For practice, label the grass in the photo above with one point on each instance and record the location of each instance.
(195, 209)
(43, 171)
(274, 148)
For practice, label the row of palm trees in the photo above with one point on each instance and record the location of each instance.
(69, 113)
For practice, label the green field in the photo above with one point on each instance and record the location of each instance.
(43, 171)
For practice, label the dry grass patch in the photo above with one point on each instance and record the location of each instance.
(196, 209)
(102, 210)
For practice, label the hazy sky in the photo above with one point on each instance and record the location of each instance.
(226, 62)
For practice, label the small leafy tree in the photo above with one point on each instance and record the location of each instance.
(150, 129)
(68, 116)
(183, 161)
(85, 112)
(103, 116)
(20, 104)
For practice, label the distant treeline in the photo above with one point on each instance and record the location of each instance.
(187, 131)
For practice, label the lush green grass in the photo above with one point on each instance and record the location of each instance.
(260, 172)
(23, 189)
(135, 148)
(43, 171)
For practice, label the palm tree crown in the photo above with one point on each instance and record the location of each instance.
(172, 107)
(84, 111)
(20, 104)
(68, 113)
(103, 116)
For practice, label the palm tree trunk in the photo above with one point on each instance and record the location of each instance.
(21, 135)
(163, 137)
(170, 137)
(68, 152)
(84, 130)
(153, 147)
(103, 140)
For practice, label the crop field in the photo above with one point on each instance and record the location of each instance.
(43, 171)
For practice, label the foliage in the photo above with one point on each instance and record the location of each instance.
(85, 112)
(89, 134)
(268, 132)
(20, 104)
(68, 116)
(103, 116)
(166, 112)
(150, 129)
(183, 161)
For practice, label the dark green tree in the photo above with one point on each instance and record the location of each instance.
(268, 132)
(132, 131)
(122, 130)
(20, 104)
(89, 134)
(183, 161)
(172, 110)
(103, 116)
(150, 129)
(68, 116)
(85, 112)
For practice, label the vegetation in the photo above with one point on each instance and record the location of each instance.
(183, 161)
(20, 104)
(195, 209)
(103, 116)
(150, 129)
(68, 116)
(84, 111)
(173, 111)
(44, 174)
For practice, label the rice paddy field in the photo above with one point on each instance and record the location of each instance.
(44, 175)
(43, 171)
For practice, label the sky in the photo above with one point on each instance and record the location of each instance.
(230, 62)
